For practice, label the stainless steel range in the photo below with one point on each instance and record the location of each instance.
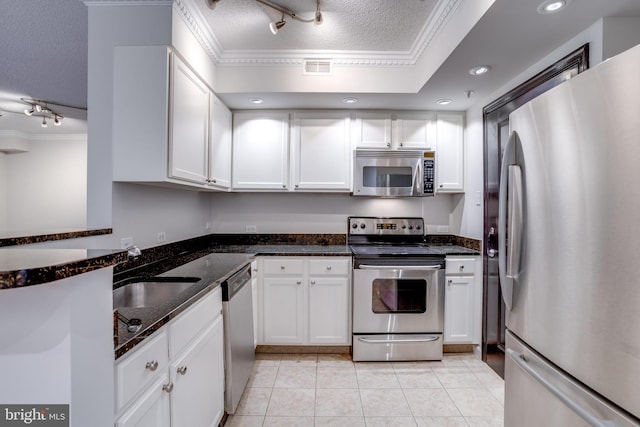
(398, 291)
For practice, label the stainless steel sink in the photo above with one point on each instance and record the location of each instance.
(151, 292)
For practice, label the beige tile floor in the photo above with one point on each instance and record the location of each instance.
(330, 390)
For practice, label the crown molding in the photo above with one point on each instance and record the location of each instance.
(198, 25)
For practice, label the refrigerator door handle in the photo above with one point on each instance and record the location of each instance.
(563, 396)
(511, 185)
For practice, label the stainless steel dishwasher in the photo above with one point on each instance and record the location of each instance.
(239, 350)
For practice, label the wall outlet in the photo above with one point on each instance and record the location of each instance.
(126, 242)
(250, 228)
(161, 237)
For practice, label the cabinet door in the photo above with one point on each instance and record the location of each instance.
(329, 310)
(152, 409)
(322, 152)
(197, 375)
(188, 124)
(220, 145)
(372, 130)
(416, 131)
(459, 310)
(283, 310)
(261, 151)
(450, 154)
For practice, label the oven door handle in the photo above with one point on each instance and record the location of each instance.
(399, 267)
(425, 338)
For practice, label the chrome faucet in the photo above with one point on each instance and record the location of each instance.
(133, 251)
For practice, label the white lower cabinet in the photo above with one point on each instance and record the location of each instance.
(177, 377)
(304, 301)
(152, 409)
(463, 310)
(196, 376)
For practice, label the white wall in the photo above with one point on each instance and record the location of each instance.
(45, 187)
(619, 34)
(317, 213)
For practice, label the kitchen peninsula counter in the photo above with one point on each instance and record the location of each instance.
(20, 267)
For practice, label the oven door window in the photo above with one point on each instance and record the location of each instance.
(387, 176)
(398, 296)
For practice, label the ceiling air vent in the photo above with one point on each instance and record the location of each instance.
(317, 67)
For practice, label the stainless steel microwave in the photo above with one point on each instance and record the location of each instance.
(386, 173)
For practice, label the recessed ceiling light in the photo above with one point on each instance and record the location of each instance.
(256, 100)
(479, 70)
(349, 100)
(444, 101)
(552, 6)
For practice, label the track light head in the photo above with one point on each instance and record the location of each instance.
(57, 120)
(29, 111)
(44, 122)
(275, 26)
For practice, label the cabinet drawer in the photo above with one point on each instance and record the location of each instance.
(460, 266)
(190, 323)
(329, 266)
(143, 365)
(280, 266)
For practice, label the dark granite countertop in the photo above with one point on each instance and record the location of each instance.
(25, 237)
(212, 269)
(27, 267)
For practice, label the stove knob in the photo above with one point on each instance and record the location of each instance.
(404, 226)
(354, 225)
(362, 226)
(411, 227)
(418, 227)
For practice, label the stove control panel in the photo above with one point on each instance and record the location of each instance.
(385, 226)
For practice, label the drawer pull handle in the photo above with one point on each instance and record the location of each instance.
(299, 282)
(313, 282)
(152, 366)
(182, 370)
(450, 282)
(329, 268)
(461, 267)
(282, 267)
(167, 387)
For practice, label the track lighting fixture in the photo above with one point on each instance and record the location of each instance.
(41, 108)
(274, 27)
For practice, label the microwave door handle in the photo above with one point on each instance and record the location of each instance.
(417, 179)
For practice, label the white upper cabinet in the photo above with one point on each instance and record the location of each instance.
(220, 145)
(415, 131)
(188, 124)
(372, 130)
(261, 151)
(450, 153)
(321, 151)
(163, 124)
(395, 131)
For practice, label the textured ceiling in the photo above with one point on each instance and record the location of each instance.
(352, 25)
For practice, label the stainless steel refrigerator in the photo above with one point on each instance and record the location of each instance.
(570, 252)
